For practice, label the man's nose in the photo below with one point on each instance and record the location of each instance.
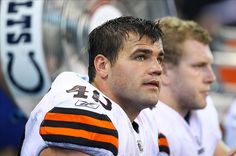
(156, 67)
(210, 75)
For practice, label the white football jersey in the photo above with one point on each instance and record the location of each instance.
(76, 115)
(199, 137)
(230, 125)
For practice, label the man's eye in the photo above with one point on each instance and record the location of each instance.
(140, 58)
(199, 65)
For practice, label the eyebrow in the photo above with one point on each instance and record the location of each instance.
(143, 50)
(147, 51)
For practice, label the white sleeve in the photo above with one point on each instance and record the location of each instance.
(230, 125)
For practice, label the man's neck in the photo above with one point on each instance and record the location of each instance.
(127, 106)
(169, 99)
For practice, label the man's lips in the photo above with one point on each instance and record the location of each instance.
(153, 83)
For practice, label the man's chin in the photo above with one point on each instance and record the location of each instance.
(202, 106)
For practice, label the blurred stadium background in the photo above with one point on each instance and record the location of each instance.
(41, 38)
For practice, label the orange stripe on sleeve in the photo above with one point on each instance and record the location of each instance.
(163, 142)
(79, 119)
(80, 133)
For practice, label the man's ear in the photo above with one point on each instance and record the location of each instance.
(102, 65)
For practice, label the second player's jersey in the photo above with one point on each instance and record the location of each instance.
(76, 115)
(196, 138)
(230, 125)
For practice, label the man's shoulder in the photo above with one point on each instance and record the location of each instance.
(67, 78)
(71, 90)
(168, 121)
(165, 115)
(77, 115)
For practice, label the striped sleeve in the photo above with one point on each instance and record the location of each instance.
(163, 144)
(80, 127)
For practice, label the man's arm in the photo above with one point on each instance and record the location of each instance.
(232, 152)
(54, 151)
(223, 150)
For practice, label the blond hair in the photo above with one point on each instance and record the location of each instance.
(176, 31)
